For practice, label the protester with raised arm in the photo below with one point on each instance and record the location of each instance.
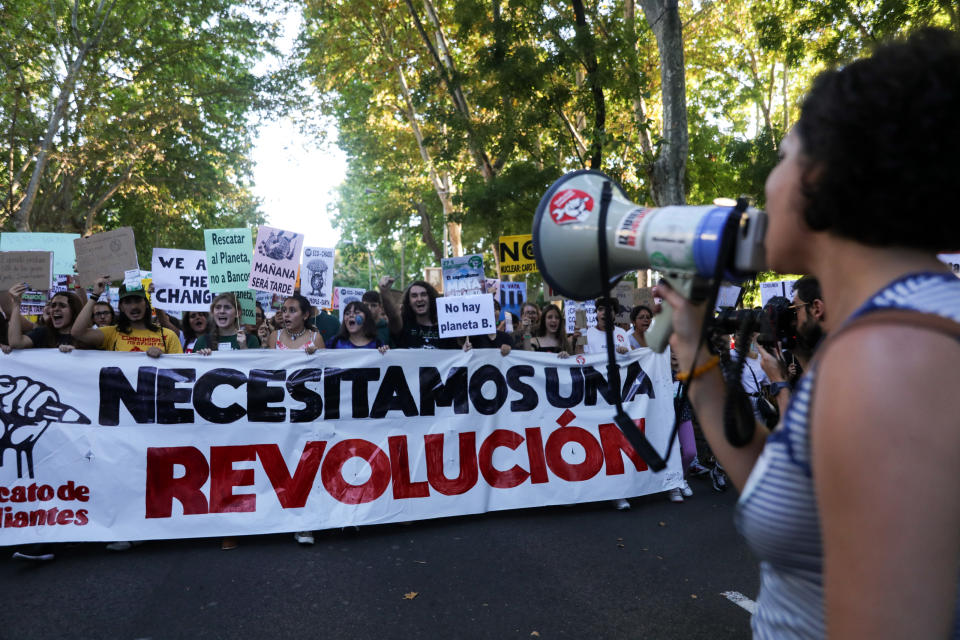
(54, 331)
(419, 315)
(135, 329)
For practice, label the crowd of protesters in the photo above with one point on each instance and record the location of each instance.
(80, 319)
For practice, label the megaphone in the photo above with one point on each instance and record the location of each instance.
(687, 244)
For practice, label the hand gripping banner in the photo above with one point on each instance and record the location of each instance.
(119, 446)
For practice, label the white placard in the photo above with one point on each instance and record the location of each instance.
(316, 276)
(570, 308)
(276, 259)
(769, 290)
(952, 259)
(465, 315)
(727, 297)
(180, 280)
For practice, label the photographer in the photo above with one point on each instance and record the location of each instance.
(837, 544)
(811, 316)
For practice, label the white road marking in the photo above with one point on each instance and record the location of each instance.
(741, 600)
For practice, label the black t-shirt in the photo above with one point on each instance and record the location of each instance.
(418, 336)
(486, 342)
(39, 336)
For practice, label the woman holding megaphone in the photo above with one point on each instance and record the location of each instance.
(862, 198)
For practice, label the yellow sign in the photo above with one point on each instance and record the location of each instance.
(516, 254)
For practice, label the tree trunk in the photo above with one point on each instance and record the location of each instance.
(427, 233)
(21, 217)
(593, 79)
(669, 168)
(639, 107)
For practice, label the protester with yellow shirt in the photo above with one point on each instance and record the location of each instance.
(134, 331)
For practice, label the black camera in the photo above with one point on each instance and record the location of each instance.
(775, 324)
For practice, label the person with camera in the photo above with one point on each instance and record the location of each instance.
(842, 553)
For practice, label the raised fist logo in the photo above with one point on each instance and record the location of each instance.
(27, 408)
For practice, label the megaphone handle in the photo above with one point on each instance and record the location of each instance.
(659, 335)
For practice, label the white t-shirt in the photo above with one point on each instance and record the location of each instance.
(597, 340)
(752, 376)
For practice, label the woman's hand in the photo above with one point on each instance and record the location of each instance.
(383, 349)
(66, 348)
(622, 349)
(16, 292)
(310, 349)
(5, 348)
(687, 325)
(241, 338)
(466, 344)
(563, 355)
(204, 352)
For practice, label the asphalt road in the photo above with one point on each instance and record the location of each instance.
(584, 571)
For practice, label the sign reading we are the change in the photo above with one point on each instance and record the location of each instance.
(35, 268)
(465, 315)
(276, 261)
(228, 258)
(111, 253)
(180, 280)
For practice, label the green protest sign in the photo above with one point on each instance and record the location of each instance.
(228, 258)
(247, 301)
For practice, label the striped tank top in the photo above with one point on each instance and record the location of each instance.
(777, 511)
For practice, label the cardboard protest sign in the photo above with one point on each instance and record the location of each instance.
(317, 270)
(570, 309)
(342, 296)
(516, 254)
(180, 280)
(276, 261)
(465, 315)
(111, 253)
(228, 258)
(512, 297)
(626, 294)
(434, 277)
(61, 244)
(35, 268)
(953, 260)
(247, 306)
(463, 275)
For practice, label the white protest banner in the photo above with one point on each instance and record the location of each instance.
(463, 275)
(35, 268)
(61, 244)
(228, 258)
(259, 441)
(342, 296)
(317, 276)
(570, 308)
(276, 261)
(465, 315)
(111, 253)
(180, 280)
(953, 260)
(788, 289)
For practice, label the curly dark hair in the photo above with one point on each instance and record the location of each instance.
(406, 311)
(880, 140)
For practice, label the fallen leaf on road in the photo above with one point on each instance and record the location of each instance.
(662, 524)
(535, 634)
(421, 561)
(619, 539)
(693, 595)
(410, 596)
